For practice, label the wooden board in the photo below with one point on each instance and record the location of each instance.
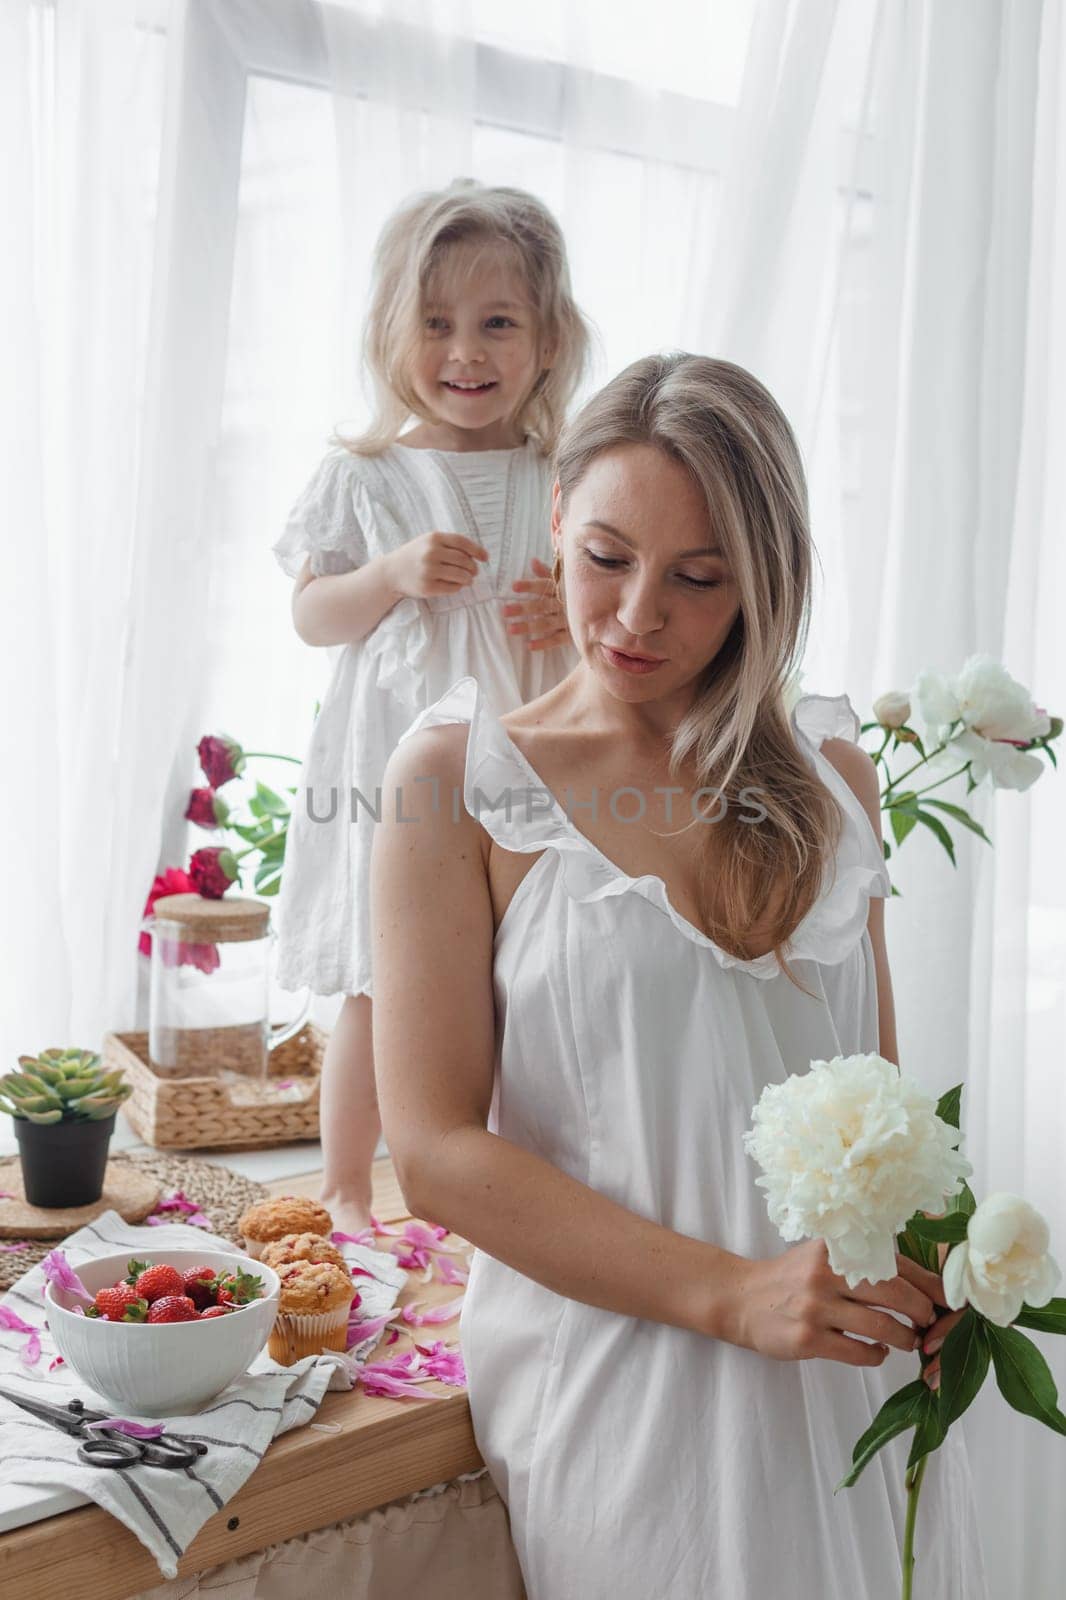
(130, 1192)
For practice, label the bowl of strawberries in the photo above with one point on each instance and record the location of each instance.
(162, 1336)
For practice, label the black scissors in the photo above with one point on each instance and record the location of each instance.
(110, 1447)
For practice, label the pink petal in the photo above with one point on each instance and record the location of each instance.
(358, 1331)
(57, 1361)
(61, 1275)
(5, 1194)
(14, 1323)
(30, 1353)
(366, 1237)
(19, 1244)
(449, 1272)
(436, 1314)
(393, 1336)
(136, 1430)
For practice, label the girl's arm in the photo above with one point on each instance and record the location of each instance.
(344, 608)
(434, 1048)
(857, 769)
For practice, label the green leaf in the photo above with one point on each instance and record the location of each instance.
(962, 816)
(964, 1201)
(949, 1106)
(929, 1430)
(964, 1362)
(886, 849)
(949, 1229)
(915, 1248)
(897, 893)
(1044, 1319)
(1024, 1377)
(44, 1116)
(937, 828)
(902, 822)
(271, 801)
(900, 1411)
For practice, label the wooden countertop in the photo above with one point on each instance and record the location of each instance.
(385, 1449)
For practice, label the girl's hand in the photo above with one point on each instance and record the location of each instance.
(795, 1307)
(435, 563)
(545, 619)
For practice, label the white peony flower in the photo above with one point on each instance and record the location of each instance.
(892, 710)
(1002, 1262)
(997, 713)
(849, 1152)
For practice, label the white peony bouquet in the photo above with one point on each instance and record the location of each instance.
(855, 1153)
(981, 723)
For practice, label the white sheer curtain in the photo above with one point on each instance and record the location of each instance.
(863, 203)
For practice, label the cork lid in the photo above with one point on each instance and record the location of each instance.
(231, 920)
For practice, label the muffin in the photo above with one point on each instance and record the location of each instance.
(313, 1309)
(301, 1247)
(273, 1219)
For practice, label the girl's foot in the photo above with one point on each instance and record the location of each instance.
(349, 1214)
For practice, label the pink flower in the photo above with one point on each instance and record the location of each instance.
(221, 758)
(212, 870)
(206, 809)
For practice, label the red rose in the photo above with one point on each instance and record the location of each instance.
(212, 870)
(174, 881)
(220, 757)
(207, 809)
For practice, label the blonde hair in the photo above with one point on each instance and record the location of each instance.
(410, 252)
(727, 431)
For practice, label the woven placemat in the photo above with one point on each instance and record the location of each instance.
(223, 1196)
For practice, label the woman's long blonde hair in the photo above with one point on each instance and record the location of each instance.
(410, 253)
(729, 433)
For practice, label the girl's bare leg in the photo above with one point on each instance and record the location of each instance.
(350, 1124)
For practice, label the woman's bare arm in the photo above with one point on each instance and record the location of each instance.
(857, 769)
(434, 1047)
(344, 608)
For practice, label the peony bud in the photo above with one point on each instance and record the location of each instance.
(207, 809)
(1003, 1263)
(1055, 729)
(221, 758)
(892, 710)
(212, 870)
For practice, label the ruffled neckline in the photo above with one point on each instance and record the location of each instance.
(499, 785)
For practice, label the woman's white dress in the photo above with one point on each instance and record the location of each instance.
(639, 1461)
(354, 509)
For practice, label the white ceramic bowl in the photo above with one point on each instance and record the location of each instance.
(164, 1369)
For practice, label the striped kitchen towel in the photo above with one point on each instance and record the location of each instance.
(163, 1507)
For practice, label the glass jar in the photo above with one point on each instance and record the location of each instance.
(210, 987)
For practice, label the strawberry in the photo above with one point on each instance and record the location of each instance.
(173, 1308)
(200, 1286)
(120, 1303)
(156, 1282)
(214, 1311)
(238, 1288)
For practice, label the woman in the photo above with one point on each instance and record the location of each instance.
(602, 924)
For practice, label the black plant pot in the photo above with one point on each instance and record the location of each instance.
(63, 1163)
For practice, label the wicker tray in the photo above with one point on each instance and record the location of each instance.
(212, 1113)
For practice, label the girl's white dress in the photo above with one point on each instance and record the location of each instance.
(354, 509)
(639, 1461)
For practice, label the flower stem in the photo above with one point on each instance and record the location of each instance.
(913, 1482)
(269, 755)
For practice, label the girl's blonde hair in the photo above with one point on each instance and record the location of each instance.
(410, 253)
(728, 432)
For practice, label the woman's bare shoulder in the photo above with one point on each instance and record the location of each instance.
(857, 768)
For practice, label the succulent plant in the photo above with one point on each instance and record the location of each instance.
(62, 1086)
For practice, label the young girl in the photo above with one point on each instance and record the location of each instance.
(580, 1003)
(405, 547)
